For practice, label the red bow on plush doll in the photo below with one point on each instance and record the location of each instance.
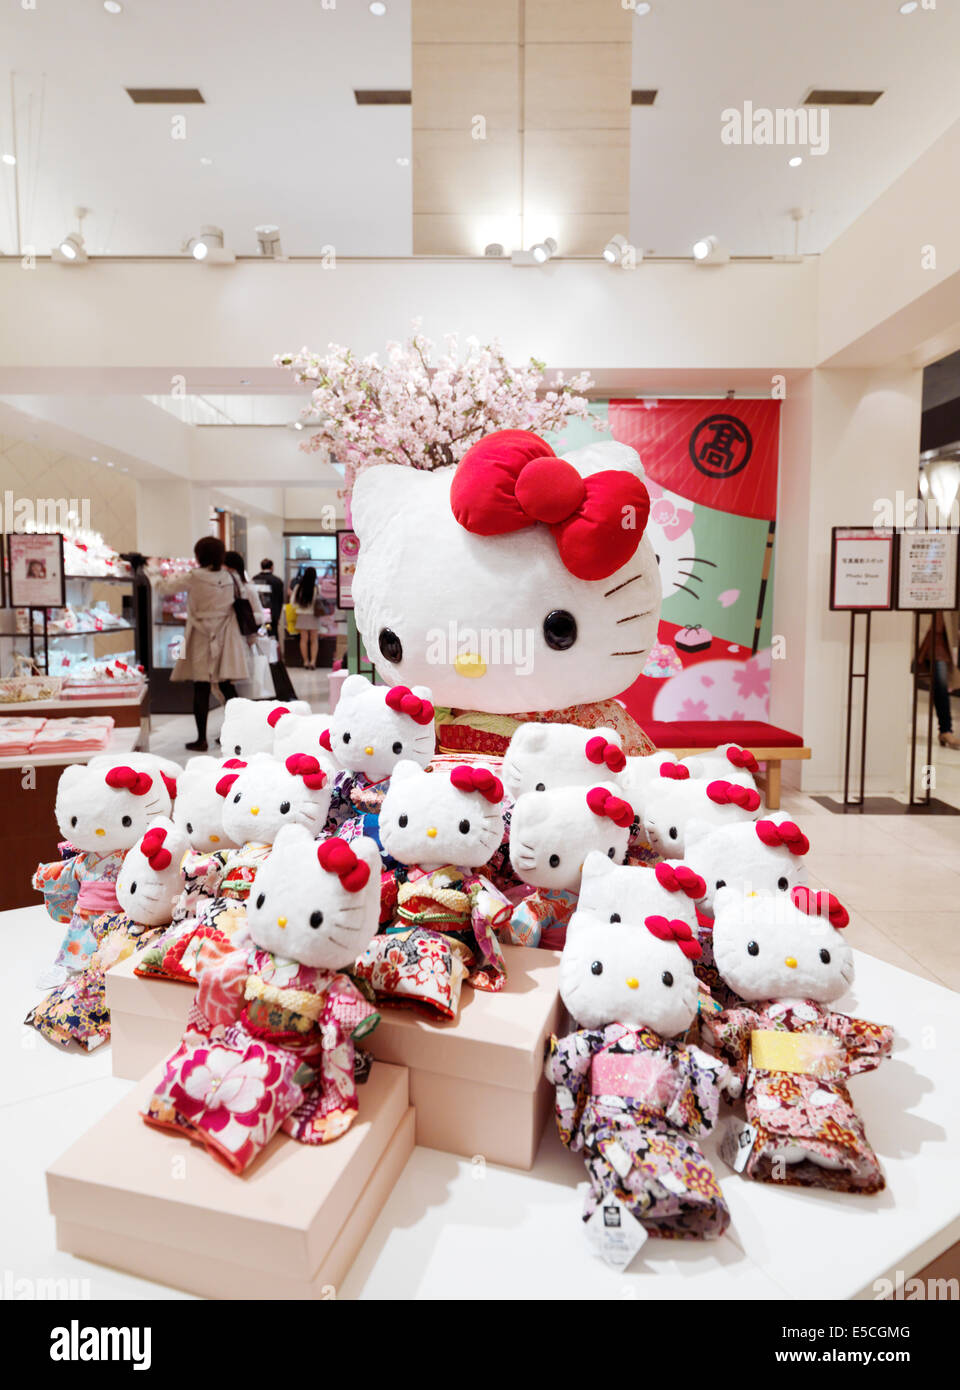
(477, 779)
(336, 857)
(152, 847)
(599, 750)
(602, 803)
(512, 479)
(403, 700)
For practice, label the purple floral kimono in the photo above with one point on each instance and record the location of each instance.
(632, 1103)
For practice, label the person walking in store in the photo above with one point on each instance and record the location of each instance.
(266, 579)
(234, 561)
(303, 596)
(214, 649)
(936, 651)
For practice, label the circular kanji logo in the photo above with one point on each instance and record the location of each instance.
(720, 446)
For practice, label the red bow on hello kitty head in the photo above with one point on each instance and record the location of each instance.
(336, 857)
(678, 878)
(600, 750)
(306, 766)
(742, 758)
(512, 479)
(674, 930)
(225, 783)
(171, 785)
(402, 699)
(728, 794)
(820, 903)
(604, 803)
(324, 740)
(787, 834)
(275, 715)
(126, 779)
(679, 772)
(152, 848)
(477, 779)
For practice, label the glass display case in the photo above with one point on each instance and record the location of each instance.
(319, 550)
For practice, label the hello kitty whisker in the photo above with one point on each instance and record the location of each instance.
(696, 560)
(687, 591)
(640, 651)
(686, 574)
(616, 589)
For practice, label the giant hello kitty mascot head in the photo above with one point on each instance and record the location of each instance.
(516, 582)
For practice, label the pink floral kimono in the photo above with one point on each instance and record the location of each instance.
(793, 1059)
(269, 1045)
(77, 890)
(632, 1103)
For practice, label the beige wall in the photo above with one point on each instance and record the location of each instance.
(29, 470)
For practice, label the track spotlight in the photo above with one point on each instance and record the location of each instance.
(208, 246)
(707, 251)
(71, 250)
(543, 250)
(268, 241)
(619, 251)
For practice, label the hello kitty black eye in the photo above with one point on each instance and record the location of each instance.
(597, 967)
(316, 919)
(391, 648)
(554, 861)
(615, 917)
(236, 798)
(236, 749)
(560, 630)
(402, 821)
(539, 787)
(464, 827)
(611, 852)
(398, 747)
(261, 899)
(133, 889)
(189, 828)
(284, 807)
(73, 820)
(825, 957)
(672, 832)
(126, 821)
(721, 883)
(752, 948)
(667, 978)
(783, 884)
(346, 738)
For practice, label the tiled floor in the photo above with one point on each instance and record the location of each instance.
(898, 876)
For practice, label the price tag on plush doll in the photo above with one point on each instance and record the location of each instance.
(736, 1144)
(615, 1234)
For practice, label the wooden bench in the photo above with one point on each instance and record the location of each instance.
(767, 743)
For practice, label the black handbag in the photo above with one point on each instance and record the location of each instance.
(243, 608)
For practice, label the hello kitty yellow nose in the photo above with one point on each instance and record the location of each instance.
(369, 752)
(632, 982)
(432, 832)
(790, 962)
(470, 664)
(254, 810)
(281, 921)
(99, 831)
(215, 839)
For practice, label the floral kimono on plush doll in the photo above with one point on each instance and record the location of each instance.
(440, 828)
(372, 729)
(519, 541)
(270, 1041)
(792, 1055)
(550, 833)
(76, 1011)
(629, 1096)
(101, 810)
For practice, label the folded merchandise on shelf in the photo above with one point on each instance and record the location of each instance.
(93, 559)
(73, 735)
(17, 734)
(68, 620)
(109, 679)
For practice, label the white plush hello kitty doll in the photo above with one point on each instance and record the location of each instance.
(640, 774)
(250, 726)
(541, 757)
(102, 809)
(198, 809)
(441, 828)
(149, 880)
(372, 728)
(278, 1009)
(630, 1096)
(630, 893)
(551, 832)
(299, 733)
(548, 552)
(783, 955)
(677, 798)
(728, 763)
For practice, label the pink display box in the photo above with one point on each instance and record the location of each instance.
(476, 1082)
(156, 1205)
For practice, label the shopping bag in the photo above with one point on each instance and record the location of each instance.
(261, 680)
(282, 684)
(290, 614)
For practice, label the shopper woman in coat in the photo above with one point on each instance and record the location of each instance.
(214, 648)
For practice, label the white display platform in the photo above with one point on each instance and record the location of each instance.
(463, 1228)
(122, 740)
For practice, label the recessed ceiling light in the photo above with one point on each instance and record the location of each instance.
(909, 7)
(796, 161)
(205, 159)
(378, 8)
(9, 158)
(403, 160)
(94, 458)
(112, 6)
(109, 463)
(641, 8)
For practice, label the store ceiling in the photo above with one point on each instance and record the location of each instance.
(289, 144)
